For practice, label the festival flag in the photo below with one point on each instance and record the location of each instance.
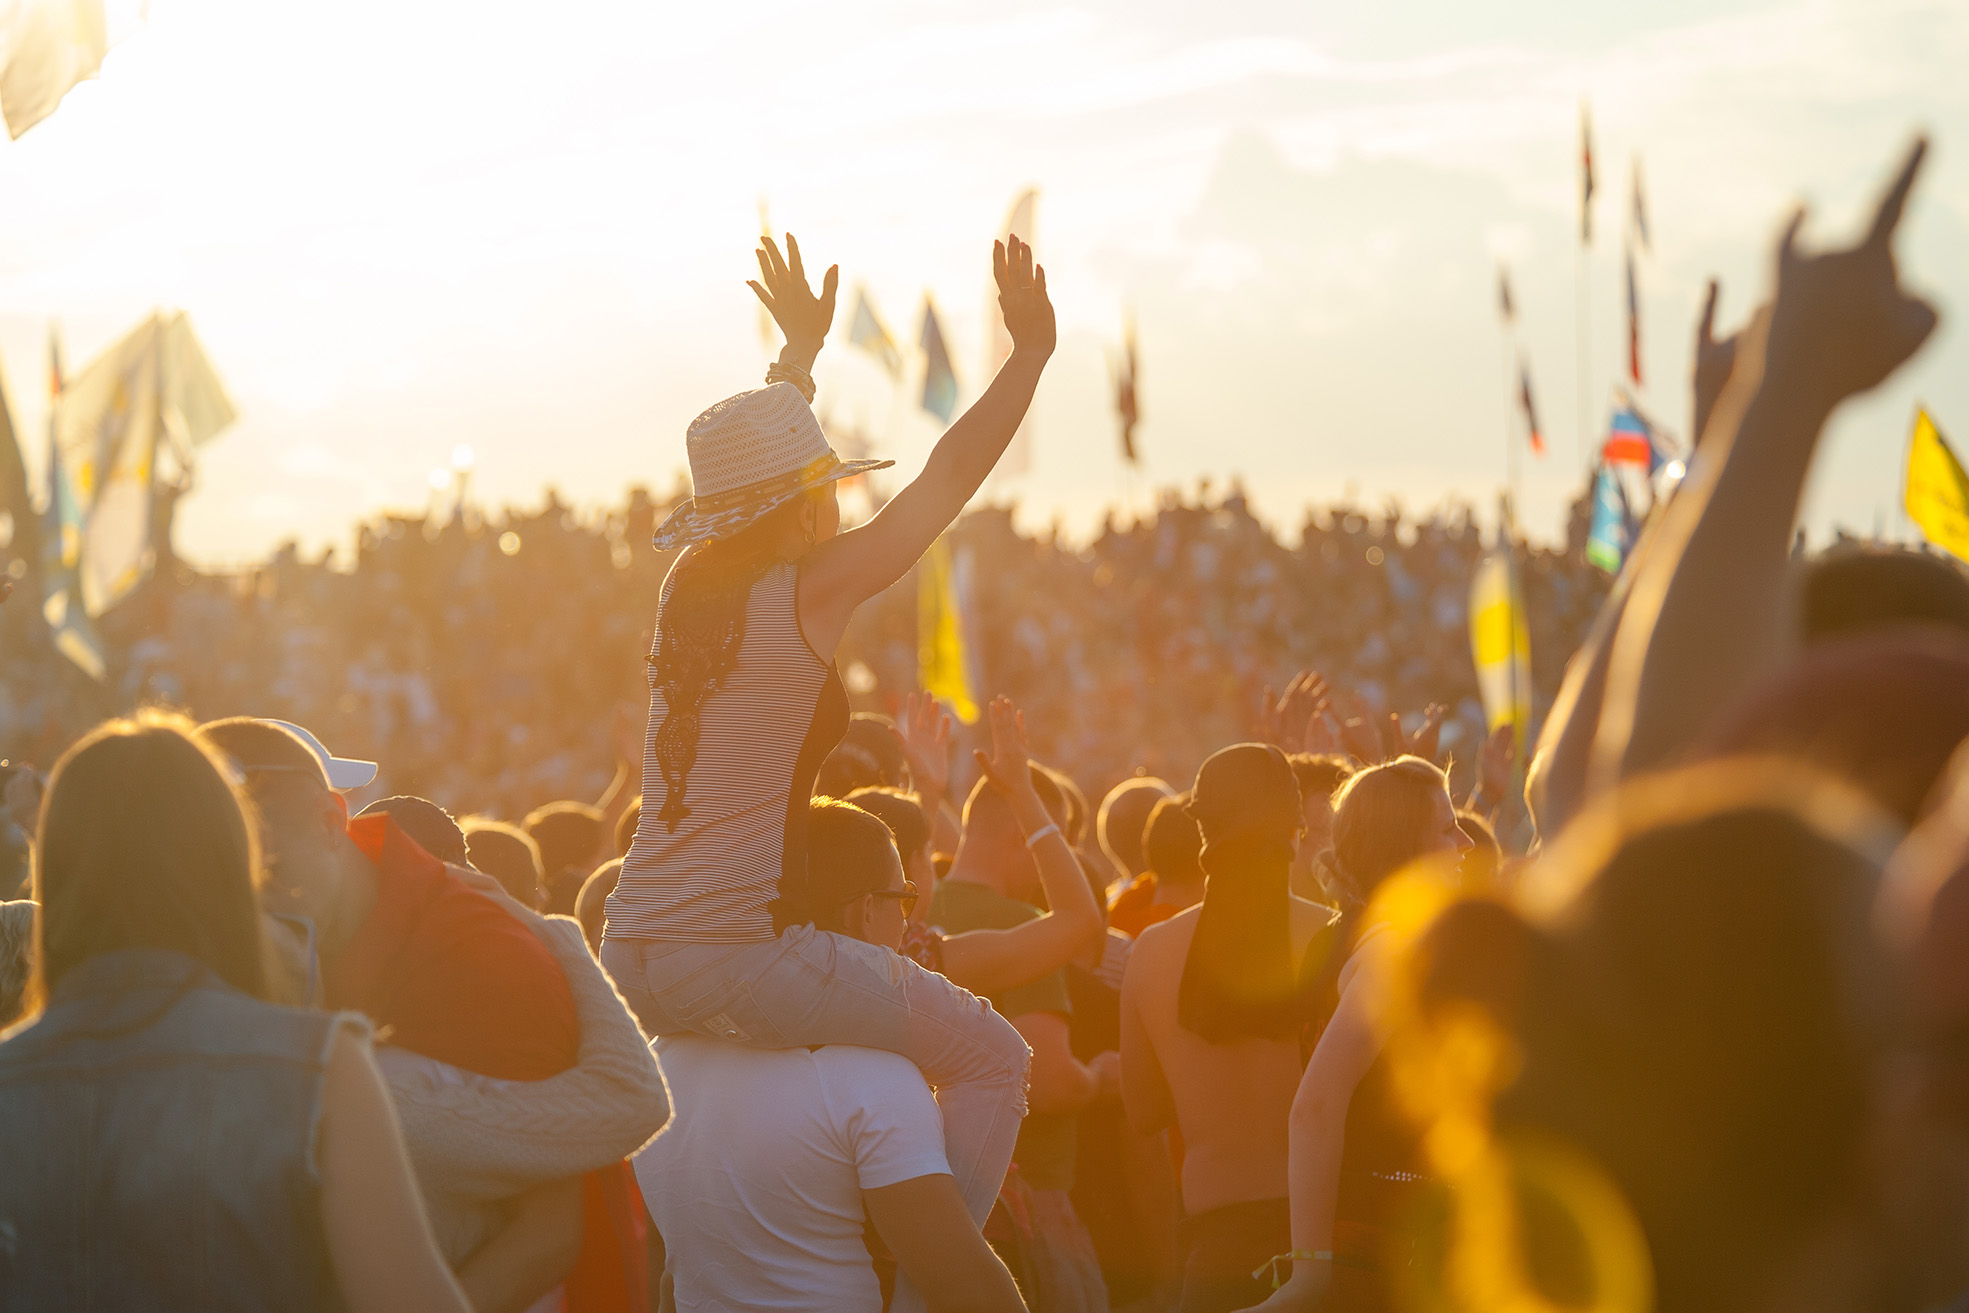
(16, 497)
(1585, 175)
(1500, 644)
(1633, 320)
(1612, 529)
(1126, 405)
(871, 335)
(1630, 440)
(1937, 494)
(1640, 209)
(49, 45)
(944, 667)
(1019, 222)
(1531, 412)
(1506, 307)
(939, 379)
(61, 581)
(153, 391)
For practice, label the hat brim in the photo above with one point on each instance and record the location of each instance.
(687, 524)
(348, 773)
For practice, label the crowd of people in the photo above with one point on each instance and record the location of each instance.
(1225, 964)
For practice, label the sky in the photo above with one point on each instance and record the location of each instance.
(403, 227)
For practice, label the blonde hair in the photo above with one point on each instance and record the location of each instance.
(1379, 816)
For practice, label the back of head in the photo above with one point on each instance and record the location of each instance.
(509, 855)
(868, 756)
(1073, 803)
(1380, 818)
(143, 844)
(570, 836)
(625, 826)
(1238, 980)
(591, 905)
(1883, 710)
(1172, 843)
(988, 817)
(16, 957)
(1690, 978)
(1319, 774)
(901, 812)
(429, 826)
(1868, 587)
(849, 853)
(1124, 816)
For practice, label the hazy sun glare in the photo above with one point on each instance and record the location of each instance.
(402, 226)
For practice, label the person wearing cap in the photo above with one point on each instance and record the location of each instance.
(710, 928)
(514, 1067)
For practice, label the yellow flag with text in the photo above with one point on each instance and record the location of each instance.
(944, 667)
(1937, 495)
(1500, 645)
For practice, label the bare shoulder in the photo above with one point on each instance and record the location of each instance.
(1171, 936)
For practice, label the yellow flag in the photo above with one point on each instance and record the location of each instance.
(1500, 645)
(1937, 489)
(943, 666)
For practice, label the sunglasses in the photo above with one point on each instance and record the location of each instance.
(907, 896)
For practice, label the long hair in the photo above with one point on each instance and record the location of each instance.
(699, 630)
(143, 843)
(1238, 981)
(1379, 816)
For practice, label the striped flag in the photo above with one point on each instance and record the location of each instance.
(1531, 411)
(869, 333)
(1630, 440)
(1612, 529)
(944, 657)
(1500, 644)
(939, 379)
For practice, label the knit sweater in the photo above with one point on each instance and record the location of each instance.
(475, 1141)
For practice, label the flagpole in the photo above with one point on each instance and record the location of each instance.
(1580, 343)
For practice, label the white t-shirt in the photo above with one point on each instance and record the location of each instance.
(756, 1182)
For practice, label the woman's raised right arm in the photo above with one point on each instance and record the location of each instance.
(845, 571)
(379, 1239)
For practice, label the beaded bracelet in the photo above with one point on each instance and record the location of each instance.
(1291, 1255)
(780, 372)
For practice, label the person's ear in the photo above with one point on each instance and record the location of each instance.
(335, 812)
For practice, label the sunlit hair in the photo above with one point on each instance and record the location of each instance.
(1380, 816)
(1653, 1062)
(902, 812)
(143, 843)
(700, 627)
(849, 853)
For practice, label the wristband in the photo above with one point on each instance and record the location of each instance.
(798, 377)
(1033, 839)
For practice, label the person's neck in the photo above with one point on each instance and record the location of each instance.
(1178, 894)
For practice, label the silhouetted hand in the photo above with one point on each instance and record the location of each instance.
(1428, 737)
(1715, 360)
(1008, 768)
(802, 316)
(925, 737)
(1841, 322)
(1022, 298)
(1289, 721)
(1500, 750)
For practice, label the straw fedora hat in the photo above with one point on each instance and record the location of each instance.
(750, 455)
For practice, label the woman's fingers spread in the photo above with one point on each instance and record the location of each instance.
(760, 292)
(793, 258)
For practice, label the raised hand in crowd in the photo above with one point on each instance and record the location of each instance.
(782, 288)
(924, 733)
(1494, 761)
(1716, 359)
(1022, 298)
(1295, 720)
(1707, 614)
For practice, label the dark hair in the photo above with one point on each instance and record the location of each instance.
(625, 826)
(1379, 817)
(1853, 589)
(591, 905)
(849, 852)
(1172, 843)
(509, 855)
(1319, 773)
(143, 843)
(868, 756)
(1238, 980)
(1073, 801)
(901, 812)
(1124, 815)
(429, 826)
(1695, 1004)
(700, 626)
(987, 804)
(569, 835)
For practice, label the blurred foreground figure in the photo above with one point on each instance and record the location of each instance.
(172, 1140)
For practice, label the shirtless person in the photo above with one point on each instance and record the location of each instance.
(1211, 1013)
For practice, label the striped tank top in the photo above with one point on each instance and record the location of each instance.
(762, 736)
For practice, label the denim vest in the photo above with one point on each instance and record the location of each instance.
(157, 1145)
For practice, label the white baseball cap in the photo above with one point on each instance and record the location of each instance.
(343, 772)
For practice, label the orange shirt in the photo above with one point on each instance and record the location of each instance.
(1134, 909)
